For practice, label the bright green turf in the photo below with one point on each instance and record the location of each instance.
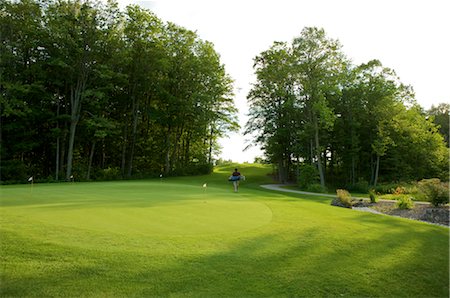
(174, 238)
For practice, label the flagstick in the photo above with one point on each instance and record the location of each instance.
(32, 184)
(205, 187)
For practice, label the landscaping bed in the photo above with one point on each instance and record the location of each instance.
(421, 211)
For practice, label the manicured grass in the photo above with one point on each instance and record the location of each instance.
(175, 238)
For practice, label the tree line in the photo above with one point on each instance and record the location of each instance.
(318, 115)
(91, 91)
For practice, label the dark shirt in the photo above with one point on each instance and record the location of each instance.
(236, 174)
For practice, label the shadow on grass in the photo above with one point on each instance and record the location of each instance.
(317, 264)
(342, 253)
(396, 260)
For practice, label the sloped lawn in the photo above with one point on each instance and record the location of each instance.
(174, 237)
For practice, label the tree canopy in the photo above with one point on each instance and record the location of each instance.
(90, 91)
(311, 106)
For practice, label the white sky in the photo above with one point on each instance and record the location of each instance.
(411, 37)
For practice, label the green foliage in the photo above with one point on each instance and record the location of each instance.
(87, 85)
(312, 104)
(397, 188)
(87, 88)
(194, 169)
(441, 117)
(418, 151)
(108, 174)
(221, 162)
(272, 106)
(405, 202)
(373, 196)
(344, 197)
(362, 186)
(401, 190)
(395, 197)
(386, 188)
(316, 187)
(260, 160)
(13, 170)
(435, 191)
(308, 176)
(393, 191)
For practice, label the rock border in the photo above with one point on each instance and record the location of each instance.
(422, 211)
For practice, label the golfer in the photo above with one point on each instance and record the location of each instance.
(235, 177)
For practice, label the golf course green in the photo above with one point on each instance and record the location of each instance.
(193, 236)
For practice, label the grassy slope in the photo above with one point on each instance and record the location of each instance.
(172, 237)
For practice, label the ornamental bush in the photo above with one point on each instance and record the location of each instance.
(344, 197)
(405, 203)
(373, 196)
(435, 192)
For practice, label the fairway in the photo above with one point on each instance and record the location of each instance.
(174, 237)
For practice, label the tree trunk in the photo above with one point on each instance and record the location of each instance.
(133, 135)
(76, 95)
(57, 145)
(167, 159)
(73, 126)
(103, 154)
(57, 159)
(210, 146)
(331, 176)
(281, 172)
(319, 159)
(187, 150)
(372, 170)
(377, 168)
(63, 147)
(353, 175)
(124, 150)
(176, 156)
(91, 157)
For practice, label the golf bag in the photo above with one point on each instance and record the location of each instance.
(236, 178)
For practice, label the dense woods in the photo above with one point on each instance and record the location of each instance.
(322, 119)
(92, 92)
(88, 91)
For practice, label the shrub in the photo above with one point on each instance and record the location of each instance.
(308, 176)
(361, 186)
(373, 196)
(108, 174)
(405, 203)
(385, 188)
(434, 191)
(411, 188)
(316, 188)
(13, 170)
(193, 169)
(344, 197)
(400, 190)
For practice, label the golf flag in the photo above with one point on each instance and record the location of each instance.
(30, 179)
